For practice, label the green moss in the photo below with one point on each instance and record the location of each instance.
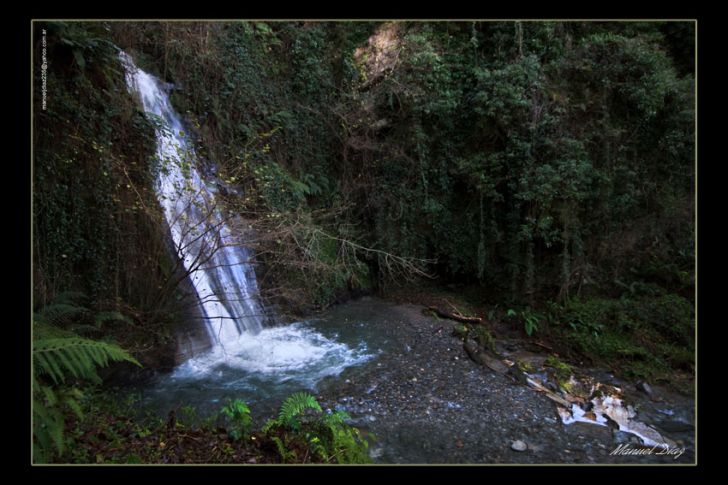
(525, 366)
(459, 330)
(562, 370)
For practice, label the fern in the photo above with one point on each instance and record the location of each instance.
(79, 357)
(326, 435)
(317, 446)
(346, 443)
(59, 313)
(45, 331)
(82, 329)
(59, 354)
(112, 316)
(238, 413)
(48, 418)
(285, 453)
(335, 419)
(294, 406)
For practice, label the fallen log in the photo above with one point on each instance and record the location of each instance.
(454, 316)
(484, 357)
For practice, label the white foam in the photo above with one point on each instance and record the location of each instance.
(295, 351)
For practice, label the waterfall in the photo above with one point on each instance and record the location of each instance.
(244, 355)
(219, 267)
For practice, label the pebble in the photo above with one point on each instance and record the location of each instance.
(519, 445)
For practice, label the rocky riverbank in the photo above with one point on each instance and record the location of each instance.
(428, 402)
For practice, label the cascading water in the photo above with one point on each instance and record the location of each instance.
(219, 268)
(245, 355)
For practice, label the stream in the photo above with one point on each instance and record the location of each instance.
(404, 377)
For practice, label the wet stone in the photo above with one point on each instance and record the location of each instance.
(620, 437)
(645, 388)
(519, 445)
(675, 426)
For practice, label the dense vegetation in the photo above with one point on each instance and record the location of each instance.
(546, 166)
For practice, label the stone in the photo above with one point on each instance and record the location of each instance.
(675, 426)
(642, 386)
(620, 437)
(519, 445)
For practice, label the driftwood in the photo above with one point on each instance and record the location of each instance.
(543, 346)
(454, 315)
(484, 357)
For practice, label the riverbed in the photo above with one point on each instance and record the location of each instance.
(404, 377)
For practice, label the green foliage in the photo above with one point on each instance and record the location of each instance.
(79, 357)
(529, 318)
(60, 356)
(649, 335)
(326, 434)
(59, 313)
(91, 181)
(238, 414)
(530, 322)
(111, 316)
(589, 316)
(460, 330)
(286, 454)
(537, 158)
(291, 409)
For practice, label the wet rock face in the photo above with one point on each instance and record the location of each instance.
(431, 403)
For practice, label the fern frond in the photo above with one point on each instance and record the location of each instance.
(112, 316)
(49, 395)
(47, 429)
(82, 329)
(74, 406)
(59, 313)
(316, 445)
(335, 419)
(79, 357)
(45, 331)
(282, 450)
(295, 405)
(270, 424)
